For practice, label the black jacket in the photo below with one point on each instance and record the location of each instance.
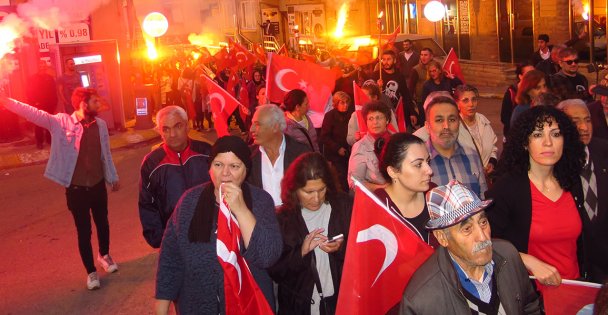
(293, 149)
(294, 273)
(435, 288)
(598, 120)
(510, 214)
(597, 231)
(165, 176)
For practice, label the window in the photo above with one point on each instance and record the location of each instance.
(249, 13)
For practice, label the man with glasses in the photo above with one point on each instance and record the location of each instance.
(568, 83)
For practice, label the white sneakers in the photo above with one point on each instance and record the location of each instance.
(108, 265)
(93, 281)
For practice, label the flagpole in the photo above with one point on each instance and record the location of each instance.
(379, 24)
(576, 282)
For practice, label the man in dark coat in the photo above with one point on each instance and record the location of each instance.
(594, 183)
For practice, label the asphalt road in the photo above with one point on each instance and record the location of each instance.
(40, 269)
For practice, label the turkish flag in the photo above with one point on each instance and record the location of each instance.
(390, 39)
(308, 58)
(224, 59)
(569, 298)
(382, 254)
(242, 294)
(400, 113)
(361, 57)
(233, 80)
(259, 52)
(286, 74)
(451, 66)
(360, 100)
(222, 106)
(244, 58)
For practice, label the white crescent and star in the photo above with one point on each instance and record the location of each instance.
(388, 240)
(278, 79)
(220, 98)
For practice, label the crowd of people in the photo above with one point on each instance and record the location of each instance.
(290, 183)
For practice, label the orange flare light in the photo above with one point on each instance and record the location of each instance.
(342, 16)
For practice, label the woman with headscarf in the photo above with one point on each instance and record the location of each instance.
(189, 272)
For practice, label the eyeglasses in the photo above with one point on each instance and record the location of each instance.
(570, 62)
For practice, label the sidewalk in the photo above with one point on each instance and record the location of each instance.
(492, 91)
(24, 151)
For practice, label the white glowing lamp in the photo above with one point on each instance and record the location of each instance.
(155, 24)
(434, 11)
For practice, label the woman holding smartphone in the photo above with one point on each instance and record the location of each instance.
(313, 212)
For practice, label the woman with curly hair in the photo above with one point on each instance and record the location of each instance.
(313, 211)
(536, 206)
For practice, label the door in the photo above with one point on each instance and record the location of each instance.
(515, 26)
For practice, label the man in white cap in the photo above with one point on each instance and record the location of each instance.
(469, 273)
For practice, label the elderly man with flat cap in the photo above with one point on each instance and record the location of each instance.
(469, 273)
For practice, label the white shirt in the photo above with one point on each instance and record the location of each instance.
(314, 220)
(546, 55)
(408, 55)
(273, 174)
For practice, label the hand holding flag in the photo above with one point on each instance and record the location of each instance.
(242, 294)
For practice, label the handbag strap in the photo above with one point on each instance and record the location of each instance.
(305, 132)
(313, 263)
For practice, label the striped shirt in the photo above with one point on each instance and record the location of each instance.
(463, 166)
(481, 290)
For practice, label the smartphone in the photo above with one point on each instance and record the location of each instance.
(335, 238)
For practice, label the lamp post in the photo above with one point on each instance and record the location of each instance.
(155, 25)
(434, 11)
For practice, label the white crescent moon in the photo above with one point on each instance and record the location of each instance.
(220, 98)
(242, 53)
(278, 79)
(388, 240)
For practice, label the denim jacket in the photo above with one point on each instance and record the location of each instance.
(66, 132)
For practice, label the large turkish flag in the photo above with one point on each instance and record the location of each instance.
(382, 254)
(243, 295)
(285, 74)
(222, 106)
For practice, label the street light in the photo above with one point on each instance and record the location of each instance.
(155, 24)
(434, 11)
